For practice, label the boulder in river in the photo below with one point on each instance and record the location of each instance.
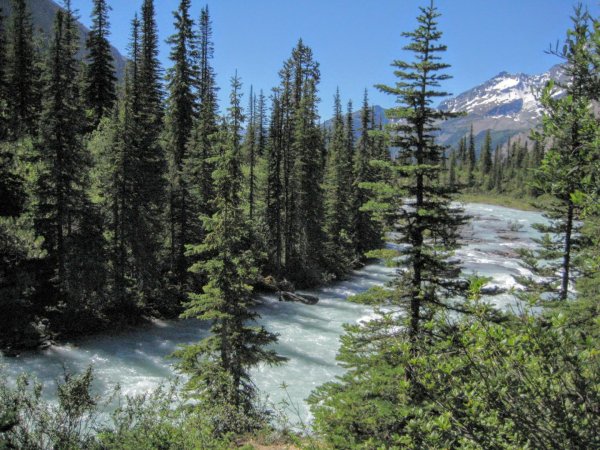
(302, 298)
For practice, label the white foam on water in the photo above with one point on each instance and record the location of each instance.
(308, 335)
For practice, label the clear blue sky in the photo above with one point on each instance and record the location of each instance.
(356, 40)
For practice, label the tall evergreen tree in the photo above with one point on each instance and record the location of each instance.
(22, 73)
(261, 125)
(129, 175)
(219, 364)
(288, 169)
(452, 181)
(569, 126)
(199, 164)
(380, 354)
(309, 194)
(486, 154)
(3, 80)
(151, 94)
(100, 75)
(463, 156)
(274, 189)
(428, 223)
(251, 152)
(338, 182)
(367, 233)
(181, 110)
(63, 214)
(471, 159)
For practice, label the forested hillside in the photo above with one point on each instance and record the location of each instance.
(128, 199)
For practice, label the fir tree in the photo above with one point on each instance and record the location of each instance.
(452, 171)
(309, 193)
(471, 159)
(338, 182)
(22, 73)
(63, 214)
(199, 164)
(463, 156)
(486, 154)
(367, 233)
(381, 377)
(3, 80)
(251, 152)
(181, 110)
(287, 168)
(219, 365)
(100, 74)
(129, 175)
(572, 130)
(151, 94)
(261, 125)
(274, 189)
(428, 223)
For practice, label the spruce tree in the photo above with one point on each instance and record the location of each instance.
(486, 154)
(382, 355)
(309, 193)
(287, 169)
(570, 128)
(452, 181)
(367, 233)
(63, 214)
(129, 178)
(274, 189)
(428, 223)
(3, 80)
(471, 159)
(181, 110)
(251, 156)
(151, 94)
(261, 125)
(219, 365)
(199, 164)
(462, 152)
(338, 182)
(22, 73)
(100, 75)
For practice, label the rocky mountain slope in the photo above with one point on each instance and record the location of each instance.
(43, 11)
(507, 105)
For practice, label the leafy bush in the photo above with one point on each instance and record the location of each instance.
(528, 383)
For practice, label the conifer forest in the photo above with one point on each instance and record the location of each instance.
(188, 265)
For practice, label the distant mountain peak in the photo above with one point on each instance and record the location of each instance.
(506, 104)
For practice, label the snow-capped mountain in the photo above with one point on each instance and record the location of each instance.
(507, 104)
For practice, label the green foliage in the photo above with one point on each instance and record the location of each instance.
(31, 422)
(22, 74)
(527, 383)
(412, 200)
(294, 198)
(181, 110)
(339, 193)
(62, 212)
(100, 78)
(219, 365)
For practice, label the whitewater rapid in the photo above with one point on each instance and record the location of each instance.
(308, 335)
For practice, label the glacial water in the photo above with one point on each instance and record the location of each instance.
(308, 335)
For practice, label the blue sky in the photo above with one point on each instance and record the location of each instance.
(356, 40)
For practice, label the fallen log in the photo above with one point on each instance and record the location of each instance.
(302, 298)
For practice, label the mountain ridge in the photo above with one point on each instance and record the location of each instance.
(43, 12)
(507, 105)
